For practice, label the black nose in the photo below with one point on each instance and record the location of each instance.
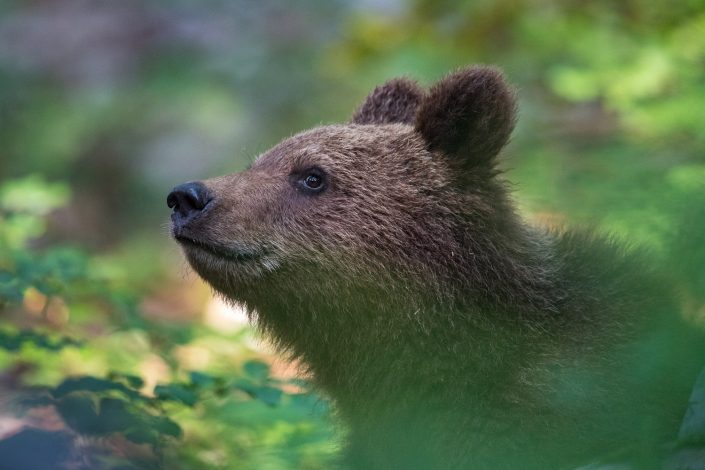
(188, 199)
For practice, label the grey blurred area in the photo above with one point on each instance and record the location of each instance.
(126, 99)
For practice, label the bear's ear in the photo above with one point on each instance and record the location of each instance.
(468, 116)
(394, 102)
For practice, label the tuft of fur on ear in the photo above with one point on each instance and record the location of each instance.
(394, 102)
(468, 115)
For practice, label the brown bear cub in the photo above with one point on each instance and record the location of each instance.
(387, 256)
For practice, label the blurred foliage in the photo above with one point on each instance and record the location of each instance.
(110, 357)
(246, 416)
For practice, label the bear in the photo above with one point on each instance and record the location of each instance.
(387, 256)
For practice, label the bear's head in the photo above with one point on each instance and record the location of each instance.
(405, 196)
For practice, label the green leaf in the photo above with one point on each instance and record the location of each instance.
(11, 289)
(80, 413)
(256, 369)
(142, 435)
(166, 426)
(133, 381)
(202, 380)
(91, 384)
(14, 341)
(269, 395)
(176, 392)
(116, 417)
(693, 427)
(9, 341)
(266, 394)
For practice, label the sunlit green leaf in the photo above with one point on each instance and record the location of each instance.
(33, 195)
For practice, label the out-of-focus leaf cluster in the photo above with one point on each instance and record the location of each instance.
(24, 203)
(93, 415)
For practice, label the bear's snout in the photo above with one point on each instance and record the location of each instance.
(187, 201)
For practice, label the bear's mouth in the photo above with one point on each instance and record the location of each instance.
(239, 254)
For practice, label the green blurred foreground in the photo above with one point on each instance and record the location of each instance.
(105, 106)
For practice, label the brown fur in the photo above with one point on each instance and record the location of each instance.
(468, 116)
(394, 102)
(449, 333)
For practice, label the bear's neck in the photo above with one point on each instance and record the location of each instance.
(361, 339)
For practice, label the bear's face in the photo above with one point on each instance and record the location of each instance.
(334, 193)
(371, 199)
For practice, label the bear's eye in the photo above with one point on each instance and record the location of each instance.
(312, 180)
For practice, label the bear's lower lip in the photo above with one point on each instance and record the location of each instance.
(220, 251)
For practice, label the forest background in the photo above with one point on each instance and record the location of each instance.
(114, 355)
